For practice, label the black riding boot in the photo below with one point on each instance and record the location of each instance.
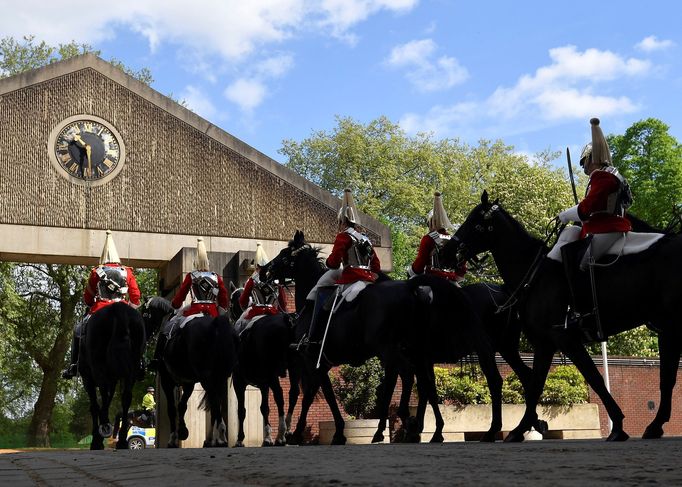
(582, 315)
(323, 303)
(158, 352)
(72, 370)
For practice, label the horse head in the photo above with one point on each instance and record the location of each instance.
(154, 312)
(477, 234)
(235, 307)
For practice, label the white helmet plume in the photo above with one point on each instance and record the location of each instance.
(261, 257)
(202, 263)
(347, 212)
(438, 217)
(109, 252)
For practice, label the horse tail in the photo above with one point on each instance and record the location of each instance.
(224, 355)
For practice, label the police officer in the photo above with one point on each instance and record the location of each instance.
(602, 215)
(428, 257)
(208, 297)
(110, 282)
(149, 407)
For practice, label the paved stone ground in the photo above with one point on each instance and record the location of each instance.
(548, 462)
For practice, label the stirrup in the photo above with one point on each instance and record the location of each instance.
(70, 372)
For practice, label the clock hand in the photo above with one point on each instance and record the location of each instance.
(88, 152)
(79, 141)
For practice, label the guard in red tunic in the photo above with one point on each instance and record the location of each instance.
(602, 214)
(428, 258)
(110, 282)
(351, 260)
(260, 297)
(208, 298)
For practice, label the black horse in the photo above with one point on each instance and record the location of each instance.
(203, 351)
(111, 351)
(263, 357)
(392, 320)
(502, 328)
(633, 290)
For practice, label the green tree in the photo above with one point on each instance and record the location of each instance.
(651, 160)
(393, 177)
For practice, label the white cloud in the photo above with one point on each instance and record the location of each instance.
(575, 85)
(340, 15)
(564, 88)
(246, 93)
(426, 72)
(198, 102)
(275, 66)
(651, 43)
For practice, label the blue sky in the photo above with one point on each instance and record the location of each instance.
(529, 73)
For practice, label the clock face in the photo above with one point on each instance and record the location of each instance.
(87, 150)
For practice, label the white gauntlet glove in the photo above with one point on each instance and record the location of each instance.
(569, 215)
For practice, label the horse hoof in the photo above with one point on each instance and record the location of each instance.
(172, 445)
(399, 436)
(281, 443)
(514, 437)
(339, 440)
(96, 446)
(541, 426)
(121, 445)
(652, 432)
(183, 433)
(239, 444)
(378, 438)
(105, 430)
(488, 437)
(618, 435)
(437, 438)
(267, 443)
(295, 439)
(413, 438)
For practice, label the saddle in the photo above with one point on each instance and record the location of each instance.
(177, 323)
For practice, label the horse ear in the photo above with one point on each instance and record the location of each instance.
(299, 238)
(484, 197)
(497, 201)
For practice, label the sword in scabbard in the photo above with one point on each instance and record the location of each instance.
(570, 175)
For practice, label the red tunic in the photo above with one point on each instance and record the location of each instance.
(90, 293)
(339, 255)
(602, 185)
(248, 287)
(423, 260)
(195, 308)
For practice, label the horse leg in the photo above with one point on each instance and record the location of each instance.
(278, 395)
(169, 391)
(669, 350)
(339, 423)
(215, 435)
(407, 379)
(126, 399)
(525, 375)
(494, 379)
(97, 442)
(576, 352)
(265, 412)
(542, 360)
(187, 390)
(384, 394)
(432, 397)
(309, 392)
(105, 426)
(294, 390)
(240, 389)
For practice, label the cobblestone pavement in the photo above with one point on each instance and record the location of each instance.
(548, 462)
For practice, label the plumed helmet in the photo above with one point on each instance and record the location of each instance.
(261, 257)
(347, 212)
(109, 252)
(202, 263)
(599, 148)
(438, 217)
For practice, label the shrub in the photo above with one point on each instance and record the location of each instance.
(356, 388)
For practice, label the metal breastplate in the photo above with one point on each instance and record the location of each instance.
(440, 240)
(263, 293)
(361, 251)
(618, 201)
(113, 283)
(204, 287)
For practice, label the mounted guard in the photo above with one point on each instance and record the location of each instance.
(604, 224)
(429, 259)
(110, 282)
(208, 298)
(352, 264)
(260, 297)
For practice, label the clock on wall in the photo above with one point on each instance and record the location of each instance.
(86, 150)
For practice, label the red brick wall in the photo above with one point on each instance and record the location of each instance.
(631, 386)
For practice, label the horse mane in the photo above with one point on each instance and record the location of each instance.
(159, 303)
(518, 226)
